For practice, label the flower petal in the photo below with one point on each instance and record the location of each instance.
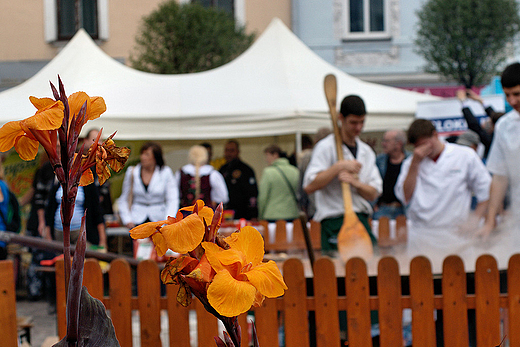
(230, 297)
(229, 260)
(267, 278)
(185, 235)
(40, 103)
(76, 101)
(97, 107)
(206, 213)
(8, 134)
(160, 244)
(47, 118)
(86, 178)
(248, 241)
(27, 148)
(145, 230)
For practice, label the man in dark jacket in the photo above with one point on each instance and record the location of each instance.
(241, 183)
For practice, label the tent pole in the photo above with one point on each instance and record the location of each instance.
(298, 148)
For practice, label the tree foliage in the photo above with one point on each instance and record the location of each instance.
(187, 38)
(466, 39)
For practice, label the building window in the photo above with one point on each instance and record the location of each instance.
(366, 19)
(226, 5)
(68, 16)
(60, 19)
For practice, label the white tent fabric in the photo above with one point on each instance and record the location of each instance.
(274, 88)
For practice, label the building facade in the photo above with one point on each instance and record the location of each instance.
(32, 32)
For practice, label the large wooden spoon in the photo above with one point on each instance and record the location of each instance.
(353, 238)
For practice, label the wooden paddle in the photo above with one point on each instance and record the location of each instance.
(353, 238)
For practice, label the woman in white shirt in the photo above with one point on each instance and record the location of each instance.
(150, 191)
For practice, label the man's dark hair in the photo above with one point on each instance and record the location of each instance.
(419, 129)
(273, 149)
(352, 104)
(156, 150)
(207, 145)
(511, 76)
(233, 141)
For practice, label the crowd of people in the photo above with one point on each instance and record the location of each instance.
(441, 185)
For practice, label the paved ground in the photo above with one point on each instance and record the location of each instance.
(44, 322)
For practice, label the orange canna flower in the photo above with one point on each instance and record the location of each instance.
(110, 156)
(242, 279)
(105, 157)
(95, 105)
(180, 234)
(41, 128)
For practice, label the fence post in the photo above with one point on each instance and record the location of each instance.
(513, 291)
(421, 293)
(326, 298)
(7, 305)
(61, 298)
(390, 308)
(119, 278)
(487, 292)
(455, 308)
(93, 278)
(358, 305)
(149, 293)
(267, 323)
(295, 305)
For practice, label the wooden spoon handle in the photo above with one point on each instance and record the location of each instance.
(330, 86)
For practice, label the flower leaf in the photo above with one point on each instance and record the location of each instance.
(96, 328)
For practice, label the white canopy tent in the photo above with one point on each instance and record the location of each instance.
(274, 88)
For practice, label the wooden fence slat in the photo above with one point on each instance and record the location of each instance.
(383, 239)
(207, 327)
(242, 320)
(315, 231)
(266, 322)
(401, 229)
(120, 291)
(513, 290)
(358, 305)
(148, 292)
(61, 299)
(178, 318)
(295, 305)
(93, 278)
(390, 309)
(487, 292)
(421, 293)
(298, 240)
(7, 305)
(326, 298)
(455, 308)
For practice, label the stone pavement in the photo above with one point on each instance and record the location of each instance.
(44, 322)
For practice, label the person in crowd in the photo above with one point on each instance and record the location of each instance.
(325, 174)
(241, 183)
(4, 207)
(436, 184)
(485, 133)
(277, 198)
(389, 164)
(198, 180)
(104, 190)
(38, 196)
(150, 192)
(469, 138)
(87, 199)
(503, 160)
(306, 201)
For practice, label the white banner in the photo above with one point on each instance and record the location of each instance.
(447, 116)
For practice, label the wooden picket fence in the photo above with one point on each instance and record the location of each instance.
(8, 325)
(292, 310)
(297, 243)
